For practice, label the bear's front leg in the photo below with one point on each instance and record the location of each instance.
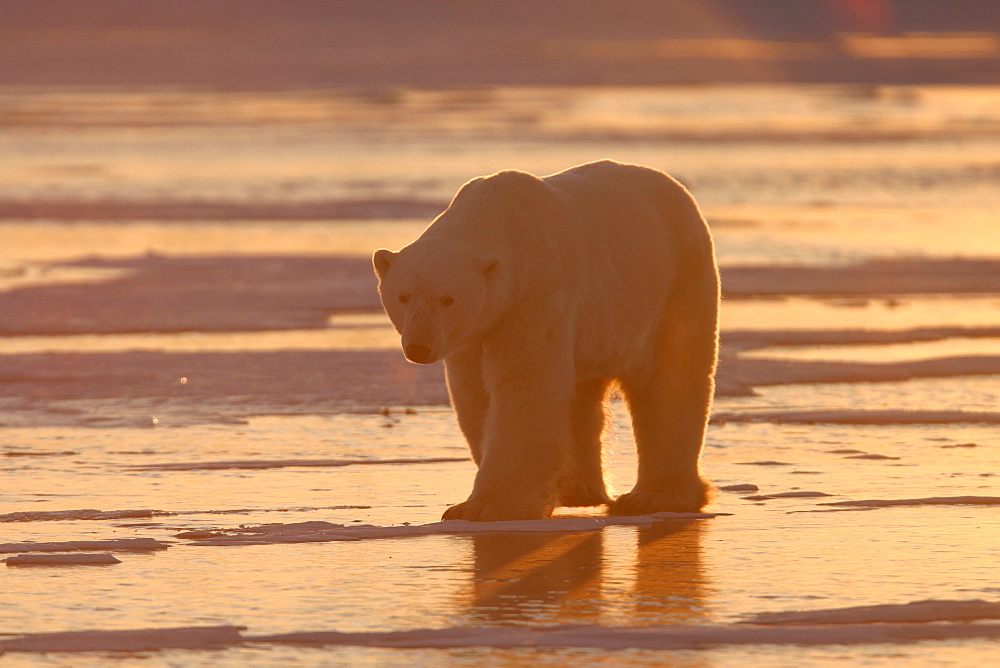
(463, 371)
(526, 439)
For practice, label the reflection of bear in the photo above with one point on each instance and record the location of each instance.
(584, 578)
(538, 577)
(669, 585)
(538, 293)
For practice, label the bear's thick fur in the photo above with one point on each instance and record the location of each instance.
(539, 294)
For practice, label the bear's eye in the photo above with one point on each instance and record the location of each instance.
(404, 299)
(447, 301)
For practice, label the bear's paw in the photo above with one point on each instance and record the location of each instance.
(671, 495)
(574, 493)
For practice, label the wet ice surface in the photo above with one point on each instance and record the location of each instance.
(689, 571)
(273, 468)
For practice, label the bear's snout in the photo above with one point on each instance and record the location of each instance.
(418, 353)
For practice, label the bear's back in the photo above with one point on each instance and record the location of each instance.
(603, 225)
(612, 189)
(635, 217)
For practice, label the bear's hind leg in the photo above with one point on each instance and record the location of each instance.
(582, 480)
(670, 404)
(668, 426)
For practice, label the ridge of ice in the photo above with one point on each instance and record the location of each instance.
(786, 495)
(643, 637)
(132, 640)
(927, 501)
(893, 623)
(72, 559)
(80, 514)
(93, 514)
(130, 544)
(914, 612)
(319, 531)
(861, 416)
(284, 463)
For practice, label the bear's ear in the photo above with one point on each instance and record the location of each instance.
(490, 266)
(381, 260)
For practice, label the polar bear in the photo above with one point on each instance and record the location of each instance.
(540, 294)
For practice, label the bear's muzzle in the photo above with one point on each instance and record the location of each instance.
(418, 353)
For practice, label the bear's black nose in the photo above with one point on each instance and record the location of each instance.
(417, 353)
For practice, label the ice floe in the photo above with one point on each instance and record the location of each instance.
(905, 623)
(873, 456)
(293, 292)
(320, 532)
(873, 277)
(862, 417)
(93, 514)
(915, 612)
(137, 640)
(929, 501)
(101, 559)
(741, 487)
(118, 544)
(122, 388)
(753, 339)
(199, 210)
(787, 495)
(286, 463)
(81, 514)
(644, 637)
(740, 375)
(37, 453)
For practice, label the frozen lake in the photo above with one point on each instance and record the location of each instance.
(219, 381)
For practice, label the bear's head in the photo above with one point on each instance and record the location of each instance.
(437, 295)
